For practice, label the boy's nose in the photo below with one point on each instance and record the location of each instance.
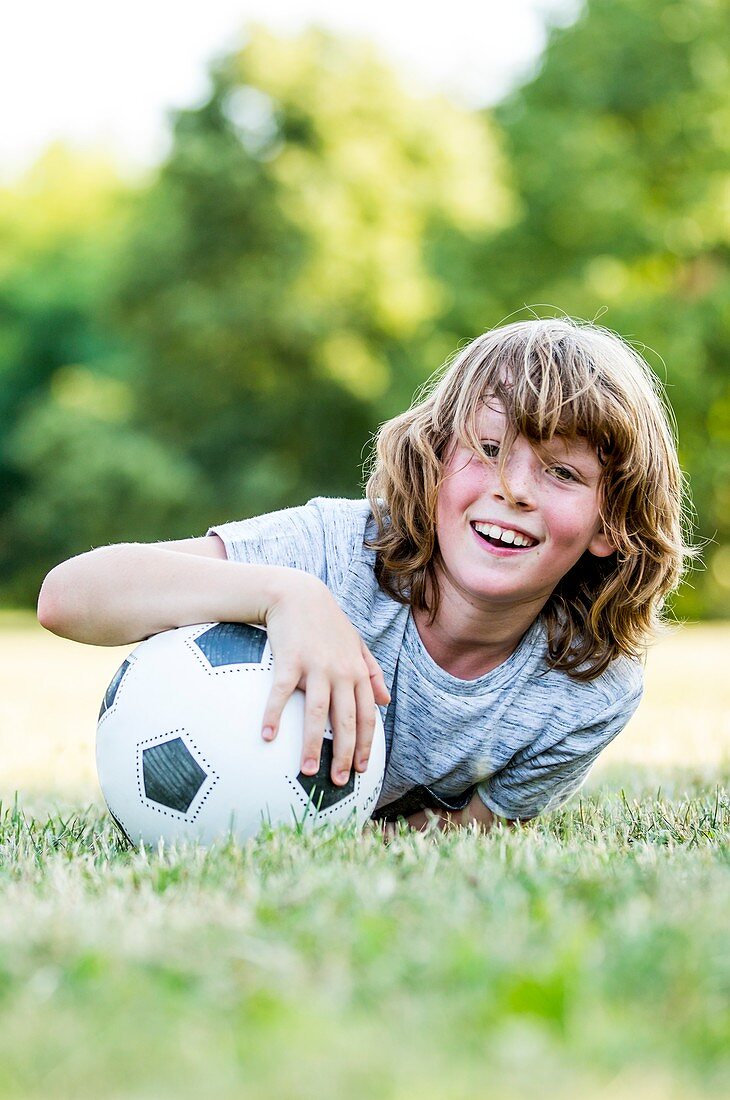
(516, 484)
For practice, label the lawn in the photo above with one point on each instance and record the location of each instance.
(585, 956)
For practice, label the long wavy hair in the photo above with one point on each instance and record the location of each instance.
(553, 377)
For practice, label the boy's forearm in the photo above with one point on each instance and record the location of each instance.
(121, 594)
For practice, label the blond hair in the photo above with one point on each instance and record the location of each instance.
(553, 377)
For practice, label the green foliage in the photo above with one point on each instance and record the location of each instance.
(59, 231)
(91, 480)
(319, 239)
(620, 157)
(586, 951)
(278, 282)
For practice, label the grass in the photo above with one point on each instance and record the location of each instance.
(587, 955)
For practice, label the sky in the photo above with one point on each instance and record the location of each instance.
(98, 74)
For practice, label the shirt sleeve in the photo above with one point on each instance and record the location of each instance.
(321, 537)
(292, 537)
(544, 775)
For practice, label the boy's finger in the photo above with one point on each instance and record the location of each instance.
(279, 695)
(316, 710)
(365, 724)
(377, 680)
(344, 717)
(272, 717)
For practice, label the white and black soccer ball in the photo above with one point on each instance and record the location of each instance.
(179, 749)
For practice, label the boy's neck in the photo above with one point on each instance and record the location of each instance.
(470, 642)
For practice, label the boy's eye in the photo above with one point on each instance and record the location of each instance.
(562, 473)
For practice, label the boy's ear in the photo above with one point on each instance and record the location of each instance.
(601, 546)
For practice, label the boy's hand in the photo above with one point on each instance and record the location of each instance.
(337, 672)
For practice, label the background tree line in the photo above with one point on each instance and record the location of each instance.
(224, 338)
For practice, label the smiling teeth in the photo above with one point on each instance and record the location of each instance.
(506, 535)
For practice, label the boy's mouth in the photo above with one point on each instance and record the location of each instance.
(503, 536)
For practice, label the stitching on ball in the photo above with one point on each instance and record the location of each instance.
(119, 818)
(328, 811)
(245, 667)
(176, 815)
(120, 688)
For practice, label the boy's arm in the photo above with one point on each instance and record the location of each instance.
(118, 595)
(122, 594)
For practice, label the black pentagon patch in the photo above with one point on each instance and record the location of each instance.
(320, 788)
(172, 776)
(111, 691)
(232, 644)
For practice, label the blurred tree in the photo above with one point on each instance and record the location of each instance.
(279, 285)
(620, 156)
(223, 339)
(60, 228)
(90, 478)
(59, 231)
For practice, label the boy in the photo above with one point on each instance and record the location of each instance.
(495, 591)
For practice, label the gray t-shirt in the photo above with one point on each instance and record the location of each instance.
(524, 735)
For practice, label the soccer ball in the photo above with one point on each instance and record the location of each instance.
(179, 749)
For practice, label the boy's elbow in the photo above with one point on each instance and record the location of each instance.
(60, 599)
(50, 603)
(79, 598)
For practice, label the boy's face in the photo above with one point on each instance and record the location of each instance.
(510, 541)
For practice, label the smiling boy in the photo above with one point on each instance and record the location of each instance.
(507, 533)
(496, 590)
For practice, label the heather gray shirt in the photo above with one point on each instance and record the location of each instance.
(525, 734)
